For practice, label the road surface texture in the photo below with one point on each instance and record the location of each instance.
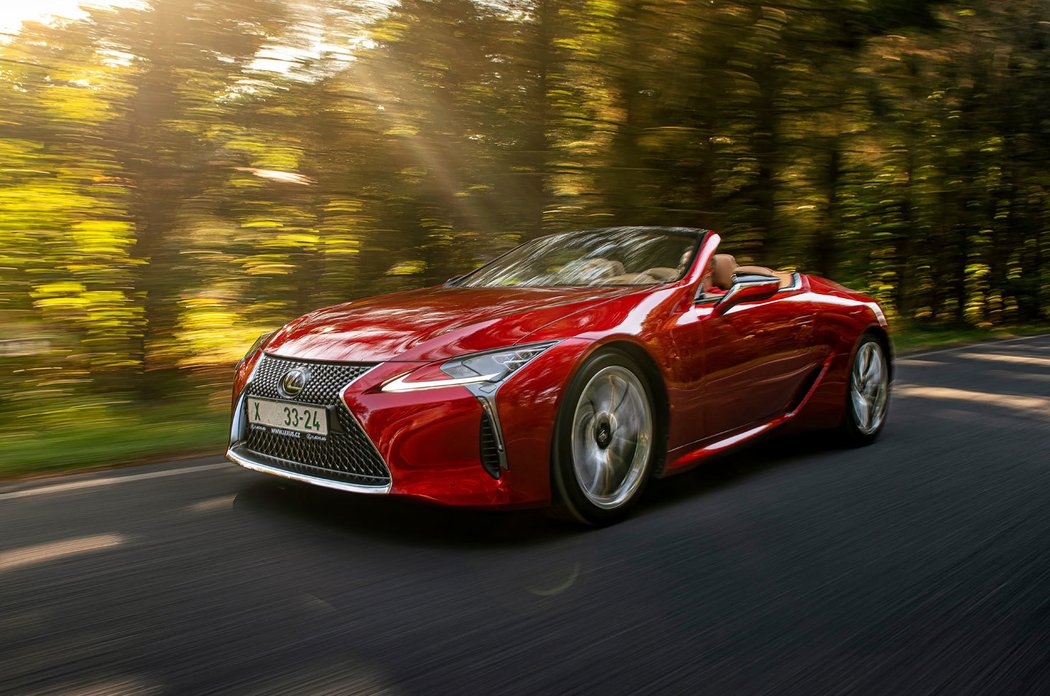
(919, 565)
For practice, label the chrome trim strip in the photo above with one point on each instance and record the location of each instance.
(237, 422)
(738, 287)
(240, 459)
(237, 426)
(488, 405)
(796, 283)
(705, 299)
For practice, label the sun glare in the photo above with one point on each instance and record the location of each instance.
(12, 14)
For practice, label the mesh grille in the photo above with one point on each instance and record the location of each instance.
(325, 380)
(346, 455)
(489, 449)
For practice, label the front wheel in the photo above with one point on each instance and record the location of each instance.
(604, 440)
(868, 394)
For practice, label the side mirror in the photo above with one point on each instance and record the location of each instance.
(750, 290)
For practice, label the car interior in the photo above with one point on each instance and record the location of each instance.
(721, 275)
(612, 272)
(724, 271)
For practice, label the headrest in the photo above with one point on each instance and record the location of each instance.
(723, 266)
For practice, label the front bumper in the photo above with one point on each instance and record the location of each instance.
(432, 442)
(249, 460)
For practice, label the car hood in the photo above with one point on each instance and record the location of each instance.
(430, 324)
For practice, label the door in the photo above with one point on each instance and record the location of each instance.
(749, 363)
(757, 356)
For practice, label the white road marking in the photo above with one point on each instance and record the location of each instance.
(110, 481)
(51, 551)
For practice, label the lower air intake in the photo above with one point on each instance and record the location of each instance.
(489, 449)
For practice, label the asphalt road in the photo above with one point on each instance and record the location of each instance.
(918, 565)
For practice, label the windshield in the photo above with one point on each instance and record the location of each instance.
(623, 256)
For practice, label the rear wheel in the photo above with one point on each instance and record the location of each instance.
(605, 439)
(868, 393)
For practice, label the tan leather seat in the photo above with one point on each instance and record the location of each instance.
(600, 268)
(630, 279)
(664, 275)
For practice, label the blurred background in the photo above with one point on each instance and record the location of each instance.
(177, 176)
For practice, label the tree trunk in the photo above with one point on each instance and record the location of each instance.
(825, 248)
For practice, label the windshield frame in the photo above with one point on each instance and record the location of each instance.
(686, 233)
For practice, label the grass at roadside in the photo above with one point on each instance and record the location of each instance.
(917, 338)
(78, 438)
(122, 435)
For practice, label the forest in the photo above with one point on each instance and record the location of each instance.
(178, 176)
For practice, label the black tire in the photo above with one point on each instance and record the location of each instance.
(571, 501)
(859, 428)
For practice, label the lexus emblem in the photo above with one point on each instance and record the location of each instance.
(293, 383)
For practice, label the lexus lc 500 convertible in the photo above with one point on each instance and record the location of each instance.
(569, 371)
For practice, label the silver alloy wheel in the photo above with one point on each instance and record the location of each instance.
(869, 388)
(612, 437)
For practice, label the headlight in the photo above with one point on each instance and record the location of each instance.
(479, 368)
(258, 344)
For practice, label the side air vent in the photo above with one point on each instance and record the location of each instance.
(489, 448)
(806, 387)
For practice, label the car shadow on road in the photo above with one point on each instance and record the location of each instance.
(400, 520)
(407, 522)
(774, 452)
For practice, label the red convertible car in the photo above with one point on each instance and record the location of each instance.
(569, 371)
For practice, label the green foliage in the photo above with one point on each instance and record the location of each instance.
(78, 437)
(178, 176)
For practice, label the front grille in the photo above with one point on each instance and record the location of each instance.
(489, 448)
(347, 455)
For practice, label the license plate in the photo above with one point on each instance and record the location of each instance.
(284, 415)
